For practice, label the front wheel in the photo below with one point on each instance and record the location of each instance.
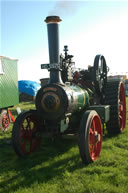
(90, 137)
(26, 133)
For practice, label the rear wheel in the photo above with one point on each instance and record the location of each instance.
(115, 97)
(90, 137)
(26, 133)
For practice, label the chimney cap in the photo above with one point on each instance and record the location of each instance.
(52, 19)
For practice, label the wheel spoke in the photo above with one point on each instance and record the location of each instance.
(92, 139)
(94, 126)
(91, 131)
(28, 123)
(91, 149)
(120, 117)
(102, 66)
(121, 107)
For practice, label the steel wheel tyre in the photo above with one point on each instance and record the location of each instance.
(115, 96)
(90, 137)
(4, 120)
(26, 133)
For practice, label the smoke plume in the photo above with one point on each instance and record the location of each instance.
(63, 8)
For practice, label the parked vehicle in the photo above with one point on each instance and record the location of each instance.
(9, 95)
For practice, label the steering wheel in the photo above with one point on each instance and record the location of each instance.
(100, 73)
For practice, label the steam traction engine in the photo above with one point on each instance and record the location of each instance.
(72, 102)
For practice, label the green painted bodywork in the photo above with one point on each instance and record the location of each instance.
(82, 97)
(126, 92)
(103, 111)
(9, 95)
(63, 126)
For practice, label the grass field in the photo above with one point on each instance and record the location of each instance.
(57, 168)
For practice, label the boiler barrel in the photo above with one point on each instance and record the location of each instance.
(78, 98)
(54, 101)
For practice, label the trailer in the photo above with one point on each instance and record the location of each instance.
(9, 95)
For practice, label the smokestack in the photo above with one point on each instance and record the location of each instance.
(53, 44)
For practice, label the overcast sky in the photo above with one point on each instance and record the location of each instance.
(88, 28)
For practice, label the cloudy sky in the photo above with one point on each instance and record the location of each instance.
(88, 28)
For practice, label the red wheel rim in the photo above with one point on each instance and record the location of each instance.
(5, 121)
(29, 136)
(95, 138)
(122, 107)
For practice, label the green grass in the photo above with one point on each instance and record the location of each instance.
(57, 168)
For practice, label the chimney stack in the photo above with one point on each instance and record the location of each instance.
(53, 44)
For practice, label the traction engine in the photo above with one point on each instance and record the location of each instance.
(78, 102)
